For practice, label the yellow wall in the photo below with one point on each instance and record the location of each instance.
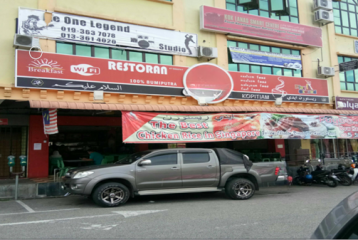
(8, 15)
(139, 11)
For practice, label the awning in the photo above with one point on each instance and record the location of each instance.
(175, 108)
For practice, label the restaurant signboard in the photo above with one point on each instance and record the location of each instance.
(77, 73)
(236, 23)
(148, 127)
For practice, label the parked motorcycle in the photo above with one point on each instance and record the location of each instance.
(353, 172)
(342, 175)
(304, 177)
(324, 176)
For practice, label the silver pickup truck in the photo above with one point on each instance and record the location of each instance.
(171, 171)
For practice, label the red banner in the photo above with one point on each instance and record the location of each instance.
(226, 21)
(66, 72)
(147, 127)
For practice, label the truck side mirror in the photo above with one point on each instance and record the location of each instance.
(145, 162)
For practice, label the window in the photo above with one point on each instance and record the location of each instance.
(164, 159)
(345, 17)
(196, 157)
(350, 230)
(112, 53)
(264, 10)
(253, 68)
(348, 79)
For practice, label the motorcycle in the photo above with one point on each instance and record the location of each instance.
(324, 176)
(342, 176)
(304, 176)
(353, 172)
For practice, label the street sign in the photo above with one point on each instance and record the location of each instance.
(346, 66)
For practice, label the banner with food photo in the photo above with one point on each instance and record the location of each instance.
(287, 126)
(147, 127)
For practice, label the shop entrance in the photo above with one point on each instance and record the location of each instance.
(13, 141)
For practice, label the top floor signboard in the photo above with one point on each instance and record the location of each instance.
(74, 28)
(236, 23)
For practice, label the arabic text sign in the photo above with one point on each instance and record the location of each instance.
(264, 87)
(84, 29)
(225, 21)
(146, 127)
(77, 73)
(242, 55)
(345, 103)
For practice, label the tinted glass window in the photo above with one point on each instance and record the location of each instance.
(351, 231)
(198, 157)
(112, 53)
(164, 159)
(264, 9)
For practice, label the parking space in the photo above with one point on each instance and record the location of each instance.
(290, 214)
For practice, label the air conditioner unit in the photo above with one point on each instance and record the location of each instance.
(323, 16)
(323, 4)
(326, 71)
(207, 52)
(26, 41)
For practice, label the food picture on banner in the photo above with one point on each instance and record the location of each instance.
(229, 123)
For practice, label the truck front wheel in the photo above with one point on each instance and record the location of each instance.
(110, 194)
(240, 189)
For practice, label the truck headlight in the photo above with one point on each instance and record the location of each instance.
(82, 174)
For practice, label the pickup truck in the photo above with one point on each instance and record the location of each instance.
(171, 171)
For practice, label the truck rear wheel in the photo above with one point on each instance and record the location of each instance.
(240, 189)
(111, 194)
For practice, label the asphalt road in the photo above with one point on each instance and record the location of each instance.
(271, 213)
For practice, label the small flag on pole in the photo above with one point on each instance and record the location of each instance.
(50, 121)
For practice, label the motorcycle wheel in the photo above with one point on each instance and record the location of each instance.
(297, 181)
(346, 181)
(331, 182)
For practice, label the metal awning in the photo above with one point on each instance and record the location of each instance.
(176, 108)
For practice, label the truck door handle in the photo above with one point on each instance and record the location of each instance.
(175, 168)
(210, 166)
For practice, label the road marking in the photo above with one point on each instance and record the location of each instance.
(54, 220)
(123, 213)
(99, 226)
(58, 210)
(137, 213)
(25, 206)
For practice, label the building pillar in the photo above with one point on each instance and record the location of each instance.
(280, 147)
(38, 160)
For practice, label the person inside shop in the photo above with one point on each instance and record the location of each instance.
(94, 156)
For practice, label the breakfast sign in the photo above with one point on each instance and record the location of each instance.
(77, 73)
(146, 127)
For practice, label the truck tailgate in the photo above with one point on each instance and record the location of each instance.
(266, 170)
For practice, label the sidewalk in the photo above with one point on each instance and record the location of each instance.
(30, 188)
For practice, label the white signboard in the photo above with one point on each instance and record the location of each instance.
(68, 27)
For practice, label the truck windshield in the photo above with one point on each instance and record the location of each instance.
(132, 158)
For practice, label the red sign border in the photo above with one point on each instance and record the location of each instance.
(202, 28)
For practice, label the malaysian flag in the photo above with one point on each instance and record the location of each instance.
(50, 121)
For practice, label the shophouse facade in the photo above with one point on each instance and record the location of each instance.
(84, 52)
